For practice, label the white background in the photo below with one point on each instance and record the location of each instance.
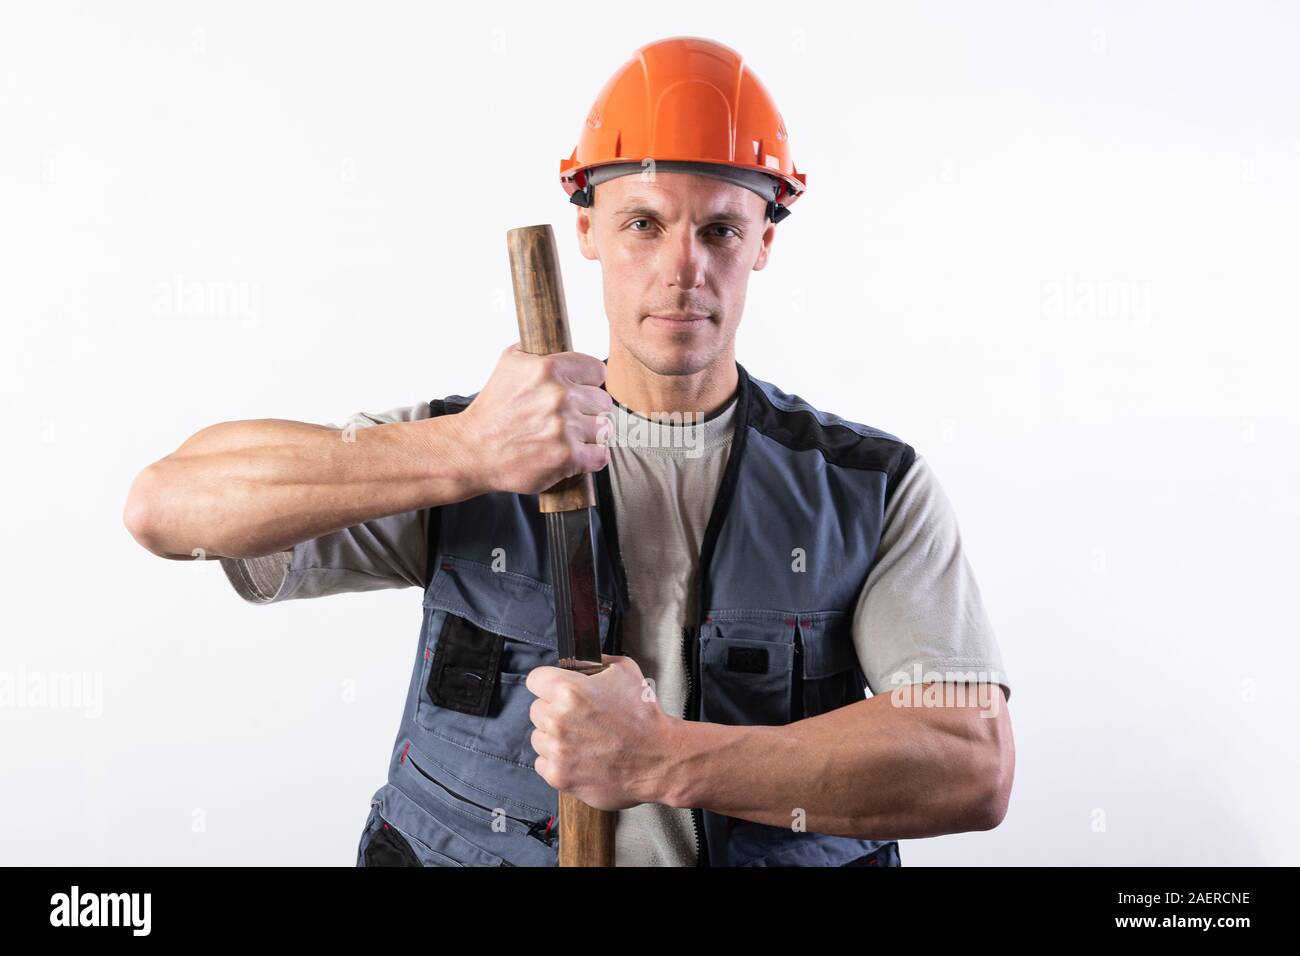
(1052, 246)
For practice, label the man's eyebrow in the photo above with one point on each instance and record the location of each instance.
(730, 213)
(638, 210)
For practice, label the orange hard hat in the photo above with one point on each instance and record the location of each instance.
(692, 105)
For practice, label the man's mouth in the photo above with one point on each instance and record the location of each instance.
(679, 320)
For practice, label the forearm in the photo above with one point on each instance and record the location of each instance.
(247, 488)
(871, 770)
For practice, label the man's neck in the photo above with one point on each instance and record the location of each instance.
(645, 392)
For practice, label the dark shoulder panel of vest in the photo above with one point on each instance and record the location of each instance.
(796, 424)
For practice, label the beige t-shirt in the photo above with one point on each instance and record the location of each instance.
(664, 476)
(919, 612)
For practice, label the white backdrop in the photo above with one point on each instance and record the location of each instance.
(1052, 246)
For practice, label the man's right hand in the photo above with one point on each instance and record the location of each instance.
(248, 488)
(539, 419)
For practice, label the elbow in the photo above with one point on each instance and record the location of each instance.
(996, 776)
(141, 516)
(993, 810)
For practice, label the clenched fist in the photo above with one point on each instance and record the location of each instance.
(539, 419)
(604, 738)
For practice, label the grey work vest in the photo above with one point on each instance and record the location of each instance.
(792, 534)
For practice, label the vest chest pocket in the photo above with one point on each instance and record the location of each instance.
(484, 631)
(830, 675)
(772, 667)
(746, 668)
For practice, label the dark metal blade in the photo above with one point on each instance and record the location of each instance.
(573, 578)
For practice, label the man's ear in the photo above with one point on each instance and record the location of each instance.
(584, 225)
(765, 247)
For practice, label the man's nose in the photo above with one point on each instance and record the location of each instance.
(685, 262)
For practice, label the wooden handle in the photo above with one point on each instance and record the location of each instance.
(544, 330)
(586, 834)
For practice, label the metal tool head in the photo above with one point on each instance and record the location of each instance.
(573, 578)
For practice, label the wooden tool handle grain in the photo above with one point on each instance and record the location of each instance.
(586, 833)
(544, 330)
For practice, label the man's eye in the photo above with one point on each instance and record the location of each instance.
(729, 229)
(635, 221)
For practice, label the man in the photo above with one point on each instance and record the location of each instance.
(761, 564)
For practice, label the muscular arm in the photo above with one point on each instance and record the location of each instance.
(248, 488)
(872, 770)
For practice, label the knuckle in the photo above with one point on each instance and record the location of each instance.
(555, 428)
(567, 698)
(552, 367)
(557, 454)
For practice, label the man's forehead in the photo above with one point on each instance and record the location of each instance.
(667, 191)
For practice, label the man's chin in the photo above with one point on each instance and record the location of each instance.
(676, 360)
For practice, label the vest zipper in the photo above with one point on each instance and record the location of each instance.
(539, 830)
(796, 678)
(688, 658)
(721, 504)
(690, 635)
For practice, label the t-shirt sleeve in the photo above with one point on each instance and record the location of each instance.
(920, 615)
(388, 552)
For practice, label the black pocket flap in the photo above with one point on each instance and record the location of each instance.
(387, 848)
(465, 666)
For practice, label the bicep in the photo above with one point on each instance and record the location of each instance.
(386, 552)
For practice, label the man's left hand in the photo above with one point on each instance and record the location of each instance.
(602, 738)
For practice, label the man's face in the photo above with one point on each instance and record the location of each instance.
(675, 254)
